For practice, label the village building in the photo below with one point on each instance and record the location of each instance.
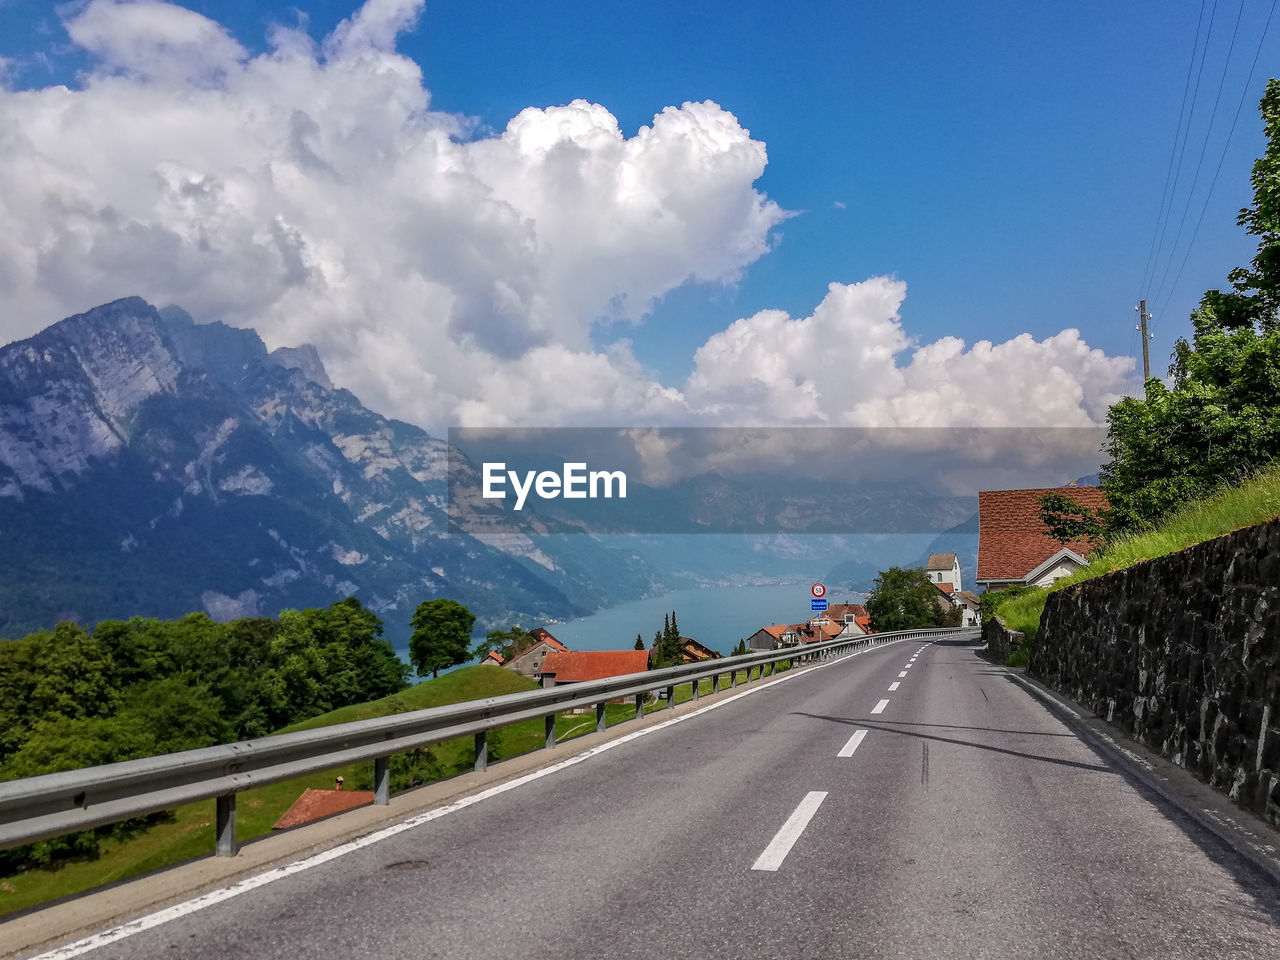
(818, 630)
(1014, 546)
(691, 651)
(944, 568)
(579, 666)
(528, 662)
(774, 637)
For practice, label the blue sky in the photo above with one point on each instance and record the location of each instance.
(1004, 160)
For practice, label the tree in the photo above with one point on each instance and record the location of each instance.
(1221, 419)
(904, 600)
(741, 648)
(441, 636)
(667, 642)
(639, 642)
(1067, 520)
(506, 643)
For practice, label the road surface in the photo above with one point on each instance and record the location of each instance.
(909, 802)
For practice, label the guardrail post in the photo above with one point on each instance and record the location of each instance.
(382, 780)
(551, 730)
(715, 683)
(733, 679)
(671, 697)
(227, 845)
(482, 751)
(696, 686)
(601, 721)
(639, 705)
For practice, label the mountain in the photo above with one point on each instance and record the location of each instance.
(151, 465)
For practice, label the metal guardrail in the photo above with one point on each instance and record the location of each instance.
(36, 808)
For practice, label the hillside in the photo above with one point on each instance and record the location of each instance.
(189, 832)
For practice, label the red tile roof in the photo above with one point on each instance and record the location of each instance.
(581, 665)
(864, 623)
(1012, 541)
(543, 635)
(777, 630)
(837, 611)
(315, 804)
(946, 587)
(493, 655)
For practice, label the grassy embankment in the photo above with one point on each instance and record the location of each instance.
(1255, 500)
(189, 834)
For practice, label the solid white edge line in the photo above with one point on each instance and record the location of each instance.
(786, 838)
(894, 686)
(162, 916)
(879, 707)
(852, 745)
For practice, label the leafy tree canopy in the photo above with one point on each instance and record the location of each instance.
(904, 600)
(1221, 416)
(441, 635)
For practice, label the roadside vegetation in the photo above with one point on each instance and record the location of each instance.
(186, 832)
(1195, 457)
(1253, 501)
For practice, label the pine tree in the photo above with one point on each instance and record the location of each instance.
(639, 642)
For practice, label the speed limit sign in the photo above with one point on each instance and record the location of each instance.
(818, 590)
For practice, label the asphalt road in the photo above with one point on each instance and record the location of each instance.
(966, 821)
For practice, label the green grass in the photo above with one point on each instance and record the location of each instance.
(1255, 500)
(189, 834)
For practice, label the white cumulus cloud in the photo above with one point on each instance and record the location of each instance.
(851, 363)
(311, 193)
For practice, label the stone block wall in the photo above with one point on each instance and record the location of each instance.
(1182, 653)
(1000, 640)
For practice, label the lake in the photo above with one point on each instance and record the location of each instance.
(714, 616)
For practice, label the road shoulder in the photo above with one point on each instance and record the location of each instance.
(1248, 836)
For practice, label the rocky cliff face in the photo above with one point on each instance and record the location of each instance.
(151, 465)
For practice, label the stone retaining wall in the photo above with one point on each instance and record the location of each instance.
(1000, 640)
(1182, 653)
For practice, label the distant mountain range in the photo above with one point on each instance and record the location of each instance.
(152, 465)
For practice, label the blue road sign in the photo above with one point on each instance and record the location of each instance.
(817, 605)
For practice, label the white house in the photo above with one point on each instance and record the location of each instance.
(944, 568)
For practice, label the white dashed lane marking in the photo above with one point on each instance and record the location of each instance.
(894, 686)
(786, 838)
(852, 745)
(879, 707)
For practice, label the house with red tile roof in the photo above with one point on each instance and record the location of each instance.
(529, 662)
(1014, 546)
(494, 657)
(771, 638)
(579, 666)
(817, 631)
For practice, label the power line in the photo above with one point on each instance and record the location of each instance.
(1173, 147)
(1186, 134)
(1239, 106)
(1203, 148)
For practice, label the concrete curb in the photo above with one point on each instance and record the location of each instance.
(1248, 836)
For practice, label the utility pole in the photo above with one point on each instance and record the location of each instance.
(1142, 327)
